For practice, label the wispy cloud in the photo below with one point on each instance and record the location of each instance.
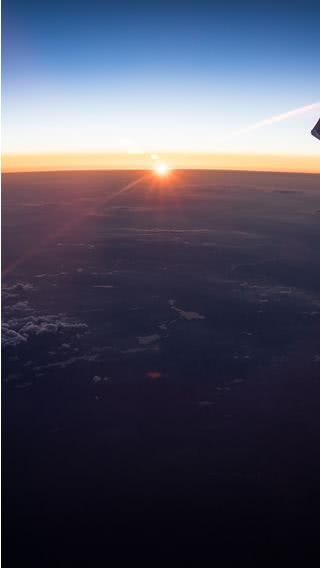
(278, 118)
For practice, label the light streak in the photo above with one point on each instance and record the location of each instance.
(277, 118)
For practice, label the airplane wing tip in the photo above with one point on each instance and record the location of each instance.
(316, 130)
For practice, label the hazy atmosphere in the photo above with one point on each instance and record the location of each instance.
(160, 283)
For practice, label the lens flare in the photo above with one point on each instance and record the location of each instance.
(161, 169)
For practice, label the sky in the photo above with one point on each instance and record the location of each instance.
(185, 79)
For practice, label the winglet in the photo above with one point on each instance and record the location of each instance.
(316, 130)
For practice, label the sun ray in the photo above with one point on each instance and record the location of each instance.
(67, 227)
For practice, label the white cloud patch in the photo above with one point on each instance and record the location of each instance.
(188, 315)
(67, 362)
(17, 330)
(262, 293)
(9, 337)
(184, 314)
(18, 287)
(148, 339)
(22, 307)
(102, 286)
(97, 379)
(49, 276)
(15, 290)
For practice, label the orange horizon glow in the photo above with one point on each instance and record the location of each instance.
(106, 161)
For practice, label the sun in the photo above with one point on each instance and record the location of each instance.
(161, 169)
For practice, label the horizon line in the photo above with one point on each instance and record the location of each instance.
(192, 169)
(136, 169)
(108, 161)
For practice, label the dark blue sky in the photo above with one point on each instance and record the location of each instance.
(172, 75)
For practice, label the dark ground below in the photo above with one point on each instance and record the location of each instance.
(161, 369)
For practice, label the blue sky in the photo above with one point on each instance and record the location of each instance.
(158, 76)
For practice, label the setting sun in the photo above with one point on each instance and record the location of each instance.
(161, 169)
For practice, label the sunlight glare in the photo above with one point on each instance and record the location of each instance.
(161, 169)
